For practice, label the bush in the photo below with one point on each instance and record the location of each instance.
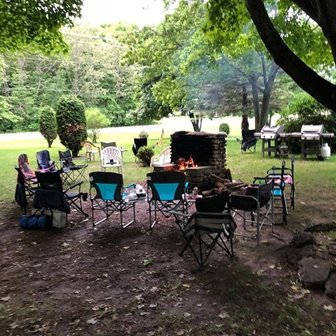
(71, 123)
(143, 134)
(305, 110)
(94, 121)
(145, 154)
(47, 124)
(224, 127)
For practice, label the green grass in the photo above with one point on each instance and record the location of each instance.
(315, 180)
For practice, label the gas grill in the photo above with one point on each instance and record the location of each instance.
(268, 132)
(311, 132)
(312, 139)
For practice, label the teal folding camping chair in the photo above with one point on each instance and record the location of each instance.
(107, 197)
(166, 194)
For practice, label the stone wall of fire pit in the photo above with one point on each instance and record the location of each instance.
(208, 152)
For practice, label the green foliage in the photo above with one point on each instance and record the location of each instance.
(224, 127)
(143, 134)
(145, 154)
(8, 119)
(71, 123)
(305, 110)
(47, 124)
(36, 24)
(94, 121)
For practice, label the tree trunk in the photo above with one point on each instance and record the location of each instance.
(255, 99)
(319, 88)
(196, 121)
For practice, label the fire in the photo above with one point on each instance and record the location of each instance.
(183, 164)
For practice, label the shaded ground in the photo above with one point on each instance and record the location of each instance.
(108, 281)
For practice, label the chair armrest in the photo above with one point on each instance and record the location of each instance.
(72, 186)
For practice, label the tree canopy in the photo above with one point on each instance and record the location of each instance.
(298, 34)
(36, 24)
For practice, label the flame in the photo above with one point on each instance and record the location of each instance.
(183, 164)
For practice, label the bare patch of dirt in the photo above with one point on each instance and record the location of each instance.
(108, 281)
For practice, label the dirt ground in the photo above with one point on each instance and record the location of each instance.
(108, 281)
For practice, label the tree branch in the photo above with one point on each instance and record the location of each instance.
(322, 90)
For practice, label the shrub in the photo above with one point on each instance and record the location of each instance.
(305, 110)
(143, 134)
(145, 154)
(224, 127)
(94, 121)
(71, 123)
(47, 124)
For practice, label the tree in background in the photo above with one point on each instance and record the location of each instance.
(300, 36)
(71, 123)
(8, 119)
(94, 121)
(35, 25)
(47, 124)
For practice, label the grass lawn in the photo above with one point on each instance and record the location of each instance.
(83, 281)
(315, 180)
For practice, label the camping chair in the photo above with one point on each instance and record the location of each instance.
(23, 165)
(54, 201)
(90, 150)
(288, 179)
(25, 188)
(108, 144)
(138, 142)
(72, 172)
(111, 158)
(162, 158)
(279, 195)
(249, 141)
(211, 225)
(166, 194)
(106, 195)
(258, 202)
(44, 162)
(72, 194)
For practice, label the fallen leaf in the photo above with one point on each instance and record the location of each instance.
(328, 308)
(147, 262)
(5, 298)
(93, 320)
(223, 315)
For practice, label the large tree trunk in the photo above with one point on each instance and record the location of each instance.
(319, 88)
(255, 100)
(196, 121)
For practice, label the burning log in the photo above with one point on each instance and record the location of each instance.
(223, 184)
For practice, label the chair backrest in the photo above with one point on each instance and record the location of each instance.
(50, 199)
(217, 203)
(108, 185)
(23, 165)
(65, 158)
(111, 153)
(43, 159)
(249, 202)
(108, 144)
(138, 142)
(162, 158)
(166, 185)
(247, 135)
(49, 180)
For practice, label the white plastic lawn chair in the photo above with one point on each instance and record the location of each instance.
(162, 158)
(111, 158)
